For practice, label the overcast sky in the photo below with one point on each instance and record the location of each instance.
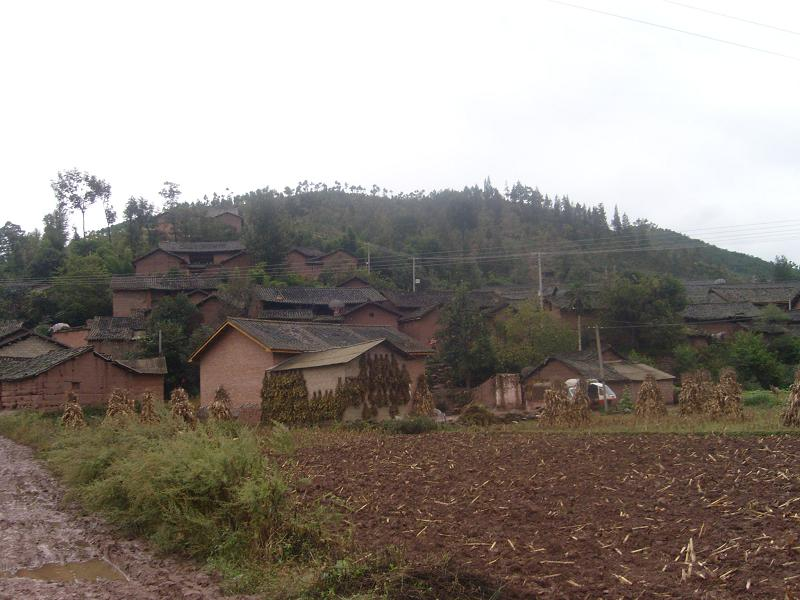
(689, 133)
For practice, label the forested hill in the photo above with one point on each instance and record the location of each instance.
(480, 235)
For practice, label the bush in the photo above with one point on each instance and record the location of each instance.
(477, 414)
(410, 426)
(760, 399)
(209, 494)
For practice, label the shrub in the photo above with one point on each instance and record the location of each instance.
(760, 399)
(477, 414)
(411, 425)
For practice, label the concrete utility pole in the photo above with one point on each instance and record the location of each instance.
(541, 289)
(580, 341)
(369, 260)
(413, 274)
(602, 372)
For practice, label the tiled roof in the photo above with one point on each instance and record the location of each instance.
(181, 247)
(379, 306)
(759, 293)
(414, 300)
(311, 296)
(586, 364)
(166, 282)
(314, 336)
(417, 314)
(215, 211)
(719, 311)
(9, 327)
(308, 252)
(334, 356)
(288, 314)
(11, 370)
(114, 328)
(146, 366)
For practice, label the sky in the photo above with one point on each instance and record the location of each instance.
(692, 134)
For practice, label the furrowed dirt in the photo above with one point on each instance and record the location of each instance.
(576, 516)
(48, 551)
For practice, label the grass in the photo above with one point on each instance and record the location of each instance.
(762, 420)
(211, 495)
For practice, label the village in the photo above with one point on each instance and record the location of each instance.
(400, 301)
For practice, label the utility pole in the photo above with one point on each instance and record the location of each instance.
(369, 261)
(159, 342)
(413, 274)
(580, 341)
(602, 372)
(541, 290)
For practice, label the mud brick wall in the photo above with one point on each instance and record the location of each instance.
(501, 392)
(158, 262)
(127, 302)
(424, 329)
(89, 376)
(73, 337)
(371, 315)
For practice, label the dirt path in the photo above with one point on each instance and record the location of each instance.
(45, 546)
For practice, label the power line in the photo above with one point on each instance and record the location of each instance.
(732, 17)
(674, 29)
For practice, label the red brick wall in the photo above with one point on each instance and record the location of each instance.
(232, 221)
(371, 315)
(340, 262)
(237, 363)
(423, 330)
(212, 311)
(95, 378)
(73, 338)
(296, 263)
(115, 348)
(243, 261)
(158, 262)
(727, 329)
(127, 301)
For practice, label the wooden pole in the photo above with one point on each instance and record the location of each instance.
(413, 274)
(580, 341)
(541, 290)
(602, 372)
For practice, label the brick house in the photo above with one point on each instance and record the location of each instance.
(241, 350)
(312, 263)
(193, 257)
(314, 302)
(719, 320)
(39, 377)
(117, 337)
(134, 295)
(226, 215)
(618, 371)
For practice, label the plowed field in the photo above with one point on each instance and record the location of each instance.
(577, 516)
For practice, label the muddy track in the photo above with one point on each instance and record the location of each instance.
(578, 517)
(45, 546)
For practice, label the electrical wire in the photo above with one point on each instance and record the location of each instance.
(732, 17)
(674, 29)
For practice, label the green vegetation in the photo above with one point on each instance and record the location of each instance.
(210, 494)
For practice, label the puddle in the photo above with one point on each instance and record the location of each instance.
(90, 570)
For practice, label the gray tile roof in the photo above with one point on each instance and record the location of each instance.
(288, 314)
(311, 296)
(721, 311)
(587, 366)
(9, 327)
(215, 211)
(758, 293)
(12, 370)
(211, 247)
(308, 252)
(115, 328)
(165, 282)
(146, 366)
(315, 336)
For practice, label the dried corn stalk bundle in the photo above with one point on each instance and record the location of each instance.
(284, 398)
(560, 411)
(791, 416)
(650, 403)
(147, 414)
(182, 408)
(422, 401)
(726, 401)
(220, 408)
(120, 405)
(578, 410)
(696, 391)
(73, 413)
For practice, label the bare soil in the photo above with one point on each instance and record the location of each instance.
(47, 550)
(576, 516)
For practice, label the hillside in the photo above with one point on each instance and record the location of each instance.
(479, 235)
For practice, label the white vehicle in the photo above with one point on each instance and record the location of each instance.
(595, 391)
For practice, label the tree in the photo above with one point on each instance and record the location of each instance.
(464, 345)
(138, 213)
(79, 190)
(642, 312)
(110, 214)
(80, 290)
(753, 360)
(616, 222)
(173, 321)
(784, 270)
(529, 336)
(170, 192)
